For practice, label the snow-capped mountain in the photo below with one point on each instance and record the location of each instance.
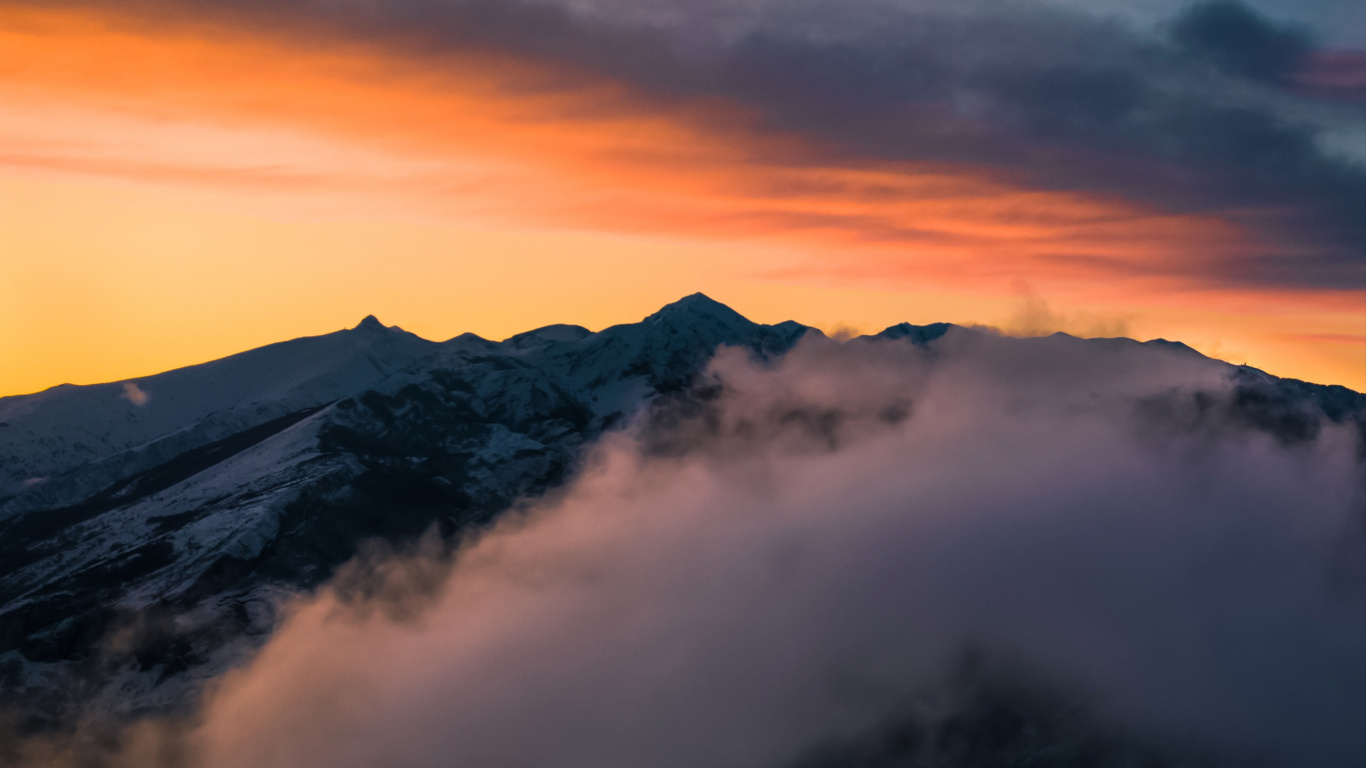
(148, 527)
(59, 445)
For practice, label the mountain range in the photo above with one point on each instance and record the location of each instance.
(150, 529)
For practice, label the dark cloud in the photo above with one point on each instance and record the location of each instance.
(1241, 41)
(1048, 97)
(988, 713)
(1044, 96)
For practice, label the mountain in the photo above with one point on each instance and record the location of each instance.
(149, 528)
(62, 444)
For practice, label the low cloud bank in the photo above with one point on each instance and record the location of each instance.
(805, 551)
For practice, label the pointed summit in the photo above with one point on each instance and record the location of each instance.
(370, 323)
(697, 307)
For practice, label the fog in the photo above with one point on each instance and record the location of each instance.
(808, 547)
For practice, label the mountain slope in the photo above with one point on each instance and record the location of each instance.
(265, 471)
(59, 445)
(174, 515)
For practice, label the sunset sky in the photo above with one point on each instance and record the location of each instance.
(185, 179)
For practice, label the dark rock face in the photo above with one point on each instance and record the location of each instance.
(1294, 412)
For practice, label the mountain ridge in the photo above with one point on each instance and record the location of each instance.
(261, 473)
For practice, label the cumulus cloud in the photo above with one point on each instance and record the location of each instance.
(802, 552)
(135, 394)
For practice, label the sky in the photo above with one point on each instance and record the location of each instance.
(184, 179)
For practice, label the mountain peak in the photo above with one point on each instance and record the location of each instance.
(370, 323)
(918, 334)
(548, 335)
(699, 305)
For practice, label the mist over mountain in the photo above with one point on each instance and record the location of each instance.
(693, 540)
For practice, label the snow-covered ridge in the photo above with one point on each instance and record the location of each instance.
(51, 433)
(187, 501)
(201, 491)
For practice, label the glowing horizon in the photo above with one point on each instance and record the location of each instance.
(176, 187)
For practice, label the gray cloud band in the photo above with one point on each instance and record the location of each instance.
(1202, 115)
(1049, 97)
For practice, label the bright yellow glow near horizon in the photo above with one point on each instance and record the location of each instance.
(171, 195)
(119, 283)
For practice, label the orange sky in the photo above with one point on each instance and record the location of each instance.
(171, 193)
